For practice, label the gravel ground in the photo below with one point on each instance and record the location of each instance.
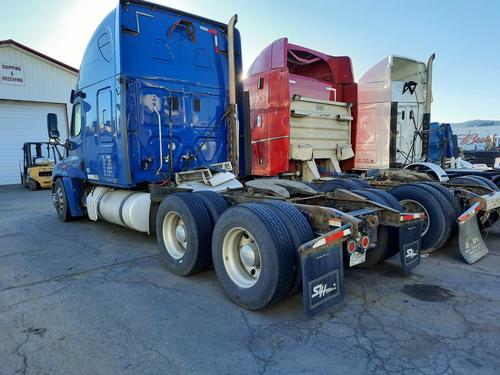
(84, 297)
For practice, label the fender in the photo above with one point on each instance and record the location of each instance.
(439, 172)
(73, 187)
(70, 172)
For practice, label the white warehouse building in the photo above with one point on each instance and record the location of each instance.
(31, 86)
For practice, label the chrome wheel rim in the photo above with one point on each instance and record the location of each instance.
(59, 199)
(409, 205)
(242, 258)
(175, 235)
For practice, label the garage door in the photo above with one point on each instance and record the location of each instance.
(23, 122)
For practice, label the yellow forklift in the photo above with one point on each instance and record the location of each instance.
(39, 159)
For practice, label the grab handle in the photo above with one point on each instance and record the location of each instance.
(159, 134)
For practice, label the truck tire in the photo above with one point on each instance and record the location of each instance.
(454, 200)
(214, 203)
(362, 184)
(382, 250)
(61, 201)
(448, 208)
(447, 205)
(356, 179)
(496, 181)
(474, 180)
(437, 224)
(338, 183)
(253, 255)
(299, 230)
(493, 218)
(184, 233)
(390, 201)
(33, 185)
(486, 182)
(393, 203)
(312, 185)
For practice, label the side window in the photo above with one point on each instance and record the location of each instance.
(105, 115)
(76, 121)
(196, 105)
(174, 104)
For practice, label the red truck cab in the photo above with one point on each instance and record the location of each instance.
(302, 105)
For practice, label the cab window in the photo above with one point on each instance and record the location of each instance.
(76, 121)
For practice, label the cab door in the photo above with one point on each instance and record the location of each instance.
(408, 143)
(101, 164)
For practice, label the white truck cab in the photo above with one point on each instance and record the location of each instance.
(394, 99)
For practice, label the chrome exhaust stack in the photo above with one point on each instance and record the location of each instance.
(426, 120)
(428, 92)
(232, 108)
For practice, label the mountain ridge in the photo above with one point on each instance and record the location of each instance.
(477, 123)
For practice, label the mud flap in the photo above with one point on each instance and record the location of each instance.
(410, 234)
(470, 241)
(322, 272)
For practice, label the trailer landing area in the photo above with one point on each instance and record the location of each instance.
(85, 298)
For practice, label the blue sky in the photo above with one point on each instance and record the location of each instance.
(465, 35)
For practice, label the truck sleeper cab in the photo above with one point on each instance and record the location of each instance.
(153, 129)
(303, 105)
(394, 131)
(303, 111)
(309, 118)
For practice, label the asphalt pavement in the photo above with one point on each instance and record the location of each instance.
(95, 298)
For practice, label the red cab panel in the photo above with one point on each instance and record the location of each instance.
(281, 71)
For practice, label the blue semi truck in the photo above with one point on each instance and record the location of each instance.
(159, 142)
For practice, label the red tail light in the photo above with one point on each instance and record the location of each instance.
(351, 247)
(365, 241)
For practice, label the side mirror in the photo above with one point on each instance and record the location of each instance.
(52, 126)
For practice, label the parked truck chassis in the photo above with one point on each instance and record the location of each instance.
(383, 121)
(318, 235)
(468, 205)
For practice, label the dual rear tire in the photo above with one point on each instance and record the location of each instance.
(253, 255)
(184, 232)
(483, 182)
(440, 205)
(343, 183)
(253, 247)
(475, 181)
(439, 208)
